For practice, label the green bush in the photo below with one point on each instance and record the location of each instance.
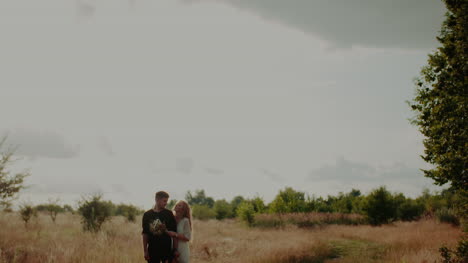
(199, 198)
(246, 213)
(409, 210)
(235, 202)
(447, 215)
(311, 219)
(379, 207)
(456, 255)
(94, 212)
(203, 212)
(258, 205)
(27, 212)
(222, 209)
(288, 201)
(130, 212)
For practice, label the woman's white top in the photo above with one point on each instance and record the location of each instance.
(183, 227)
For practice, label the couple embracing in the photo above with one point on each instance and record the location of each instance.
(166, 234)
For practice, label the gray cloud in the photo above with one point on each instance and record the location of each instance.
(184, 165)
(214, 171)
(75, 188)
(64, 188)
(181, 166)
(34, 144)
(374, 23)
(271, 175)
(85, 9)
(104, 144)
(348, 172)
(117, 188)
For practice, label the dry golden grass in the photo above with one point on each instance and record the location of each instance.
(224, 241)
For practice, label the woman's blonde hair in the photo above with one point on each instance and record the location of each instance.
(187, 211)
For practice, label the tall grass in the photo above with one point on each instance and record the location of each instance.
(225, 241)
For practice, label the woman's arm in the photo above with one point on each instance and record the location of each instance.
(187, 230)
(185, 236)
(178, 236)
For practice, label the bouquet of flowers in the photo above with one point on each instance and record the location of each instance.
(157, 227)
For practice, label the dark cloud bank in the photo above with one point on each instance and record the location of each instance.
(352, 173)
(412, 24)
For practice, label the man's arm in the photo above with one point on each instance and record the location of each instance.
(144, 235)
(145, 246)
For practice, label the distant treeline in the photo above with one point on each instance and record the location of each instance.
(289, 206)
(380, 206)
(93, 206)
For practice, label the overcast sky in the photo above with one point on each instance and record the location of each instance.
(127, 97)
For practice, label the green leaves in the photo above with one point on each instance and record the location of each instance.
(441, 101)
(288, 201)
(10, 184)
(94, 212)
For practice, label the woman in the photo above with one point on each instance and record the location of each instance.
(184, 230)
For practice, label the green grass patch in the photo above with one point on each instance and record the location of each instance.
(363, 251)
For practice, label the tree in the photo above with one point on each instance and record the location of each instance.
(288, 201)
(235, 202)
(27, 211)
(380, 207)
(407, 209)
(199, 198)
(130, 212)
(68, 208)
(53, 209)
(222, 209)
(94, 212)
(441, 102)
(10, 184)
(258, 204)
(203, 212)
(246, 213)
(441, 105)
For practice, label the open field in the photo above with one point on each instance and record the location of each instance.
(224, 241)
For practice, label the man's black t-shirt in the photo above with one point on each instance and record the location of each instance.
(154, 225)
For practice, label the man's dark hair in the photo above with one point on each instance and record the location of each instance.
(161, 195)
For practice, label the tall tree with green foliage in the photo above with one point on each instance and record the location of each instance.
(441, 104)
(441, 101)
(10, 183)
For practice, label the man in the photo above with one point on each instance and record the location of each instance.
(157, 244)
